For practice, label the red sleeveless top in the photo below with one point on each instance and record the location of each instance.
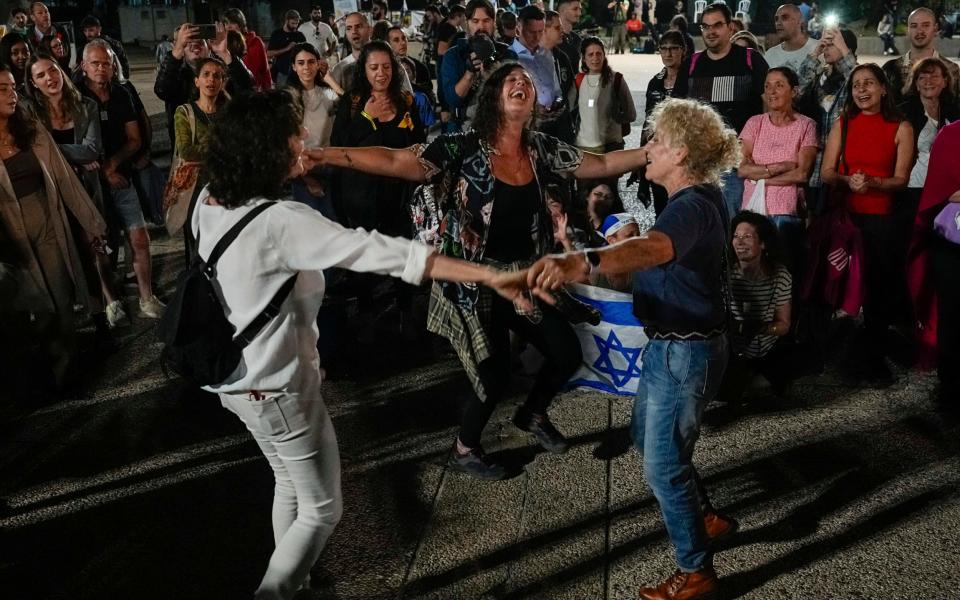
(872, 148)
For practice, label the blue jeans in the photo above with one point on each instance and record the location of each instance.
(732, 186)
(679, 379)
(791, 230)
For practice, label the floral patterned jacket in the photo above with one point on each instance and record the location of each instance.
(452, 210)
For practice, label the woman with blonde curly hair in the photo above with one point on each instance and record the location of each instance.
(677, 294)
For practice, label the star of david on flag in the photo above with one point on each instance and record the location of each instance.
(612, 349)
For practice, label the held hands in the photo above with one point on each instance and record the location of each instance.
(552, 271)
(512, 285)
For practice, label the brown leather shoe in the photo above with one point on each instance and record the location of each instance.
(700, 585)
(719, 527)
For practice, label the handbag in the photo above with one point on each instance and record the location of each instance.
(758, 199)
(181, 183)
(947, 223)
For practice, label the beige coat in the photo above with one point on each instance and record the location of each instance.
(64, 191)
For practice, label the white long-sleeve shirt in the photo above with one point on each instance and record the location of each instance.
(283, 240)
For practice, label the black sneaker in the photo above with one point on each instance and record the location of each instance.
(542, 428)
(476, 464)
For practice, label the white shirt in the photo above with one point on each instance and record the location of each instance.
(779, 57)
(320, 36)
(319, 105)
(286, 239)
(918, 175)
(589, 134)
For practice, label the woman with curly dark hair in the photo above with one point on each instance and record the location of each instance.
(42, 189)
(761, 289)
(376, 112)
(256, 145)
(485, 202)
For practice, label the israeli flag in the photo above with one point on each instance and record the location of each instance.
(612, 349)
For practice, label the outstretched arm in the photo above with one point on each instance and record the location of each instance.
(611, 164)
(376, 160)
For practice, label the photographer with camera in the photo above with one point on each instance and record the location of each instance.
(466, 65)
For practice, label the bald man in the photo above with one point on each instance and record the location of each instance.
(923, 30)
(794, 44)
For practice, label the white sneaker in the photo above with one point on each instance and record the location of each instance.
(115, 313)
(151, 307)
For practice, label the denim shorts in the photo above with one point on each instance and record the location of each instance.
(126, 203)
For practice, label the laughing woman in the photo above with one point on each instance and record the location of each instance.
(868, 158)
(485, 203)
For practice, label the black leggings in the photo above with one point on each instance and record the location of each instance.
(552, 336)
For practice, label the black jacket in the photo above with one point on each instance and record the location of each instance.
(175, 85)
(912, 109)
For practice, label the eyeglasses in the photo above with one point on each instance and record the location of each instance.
(745, 237)
(715, 26)
(97, 65)
(671, 48)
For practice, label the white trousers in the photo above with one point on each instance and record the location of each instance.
(296, 435)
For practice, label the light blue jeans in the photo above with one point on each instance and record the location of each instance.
(296, 436)
(679, 379)
(732, 187)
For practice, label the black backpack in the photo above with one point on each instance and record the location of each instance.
(198, 340)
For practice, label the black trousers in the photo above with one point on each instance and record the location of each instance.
(552, 336)
(946, 270)
(879, 265)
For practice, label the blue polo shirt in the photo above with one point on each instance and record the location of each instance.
(684, 295)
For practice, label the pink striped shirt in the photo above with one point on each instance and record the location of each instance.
(772, 144)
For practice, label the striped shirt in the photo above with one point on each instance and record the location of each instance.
(757, 300)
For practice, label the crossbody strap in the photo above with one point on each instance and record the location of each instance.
(273, 307)
(230, 236)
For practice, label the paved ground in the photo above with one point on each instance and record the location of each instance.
(139, 488)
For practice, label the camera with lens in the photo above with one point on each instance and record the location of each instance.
(483, 47)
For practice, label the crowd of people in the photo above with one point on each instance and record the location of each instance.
(793, 187)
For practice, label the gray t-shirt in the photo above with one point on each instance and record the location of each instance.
(778, 57)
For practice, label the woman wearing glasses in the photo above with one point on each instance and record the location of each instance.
(670, 82)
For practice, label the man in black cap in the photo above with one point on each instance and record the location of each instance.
(90, 25)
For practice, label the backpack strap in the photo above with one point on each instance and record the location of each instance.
(579, 79)
(693, 61)
(269, 312)
(228, 238)
(749, 58)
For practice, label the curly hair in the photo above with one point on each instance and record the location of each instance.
(21, 125)
(606, 73)
(925, 66)
(489, 118)
(767, 235)
(712, 147)
(361, 87)
(888, 107)
(248, 152)
(71, 101)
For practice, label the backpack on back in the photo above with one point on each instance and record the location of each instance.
(198, 340)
